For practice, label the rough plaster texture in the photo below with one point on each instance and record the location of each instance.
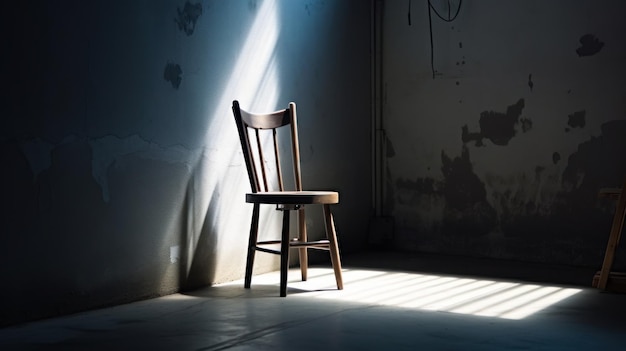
(501, 149)
(122, 176)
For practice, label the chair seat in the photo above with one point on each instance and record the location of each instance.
(293, 197)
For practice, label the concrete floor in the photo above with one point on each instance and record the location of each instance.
(381, 308)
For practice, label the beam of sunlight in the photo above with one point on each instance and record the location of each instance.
(450, 289)
(416, 291)
(472, 296)
(388, 285)
(517, 301)
(399, 291)
(220, 177)
(481, 289)
(539, 304)
(446, 298)
(360, 280)
(486, 302)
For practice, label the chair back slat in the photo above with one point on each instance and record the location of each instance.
(244, 138)
(268, 123)
(261, 159)
(279, 172)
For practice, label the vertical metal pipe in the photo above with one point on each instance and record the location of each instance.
(377, 139)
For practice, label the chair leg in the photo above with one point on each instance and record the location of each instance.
(254, 230)
(284, 254)
(302, 237)
(614, 237)
(334, 248)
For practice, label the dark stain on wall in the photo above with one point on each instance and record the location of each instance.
(527, 124)
(598, 162)
(538, 171)
(576, 119)
(466, 214)
(466, 209)
(573, 224)
(556, 157)
(312, 5)
(590, 45)
(577, 213)
(462, 188)
(424, 186)
(468, 136)
(496, 126)
(530, 82)
(173, 74)
(569, 223)
(565, 224)
(252, 5)
(188, 16)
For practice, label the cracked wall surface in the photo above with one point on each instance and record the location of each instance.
(502, 142)
(122, 177)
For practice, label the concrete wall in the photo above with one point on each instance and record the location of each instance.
(501, 149)
(121, 171)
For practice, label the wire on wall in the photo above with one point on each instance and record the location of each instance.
(409, 14)
(449, 19)
(432, 9)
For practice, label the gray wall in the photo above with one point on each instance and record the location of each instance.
(502, 153)
(121, 171)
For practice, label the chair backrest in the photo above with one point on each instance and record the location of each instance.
(253, 152)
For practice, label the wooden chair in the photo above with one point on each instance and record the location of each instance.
(601, 279)
(286, 201)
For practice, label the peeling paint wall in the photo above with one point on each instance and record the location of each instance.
(502, 141)
(121, 171)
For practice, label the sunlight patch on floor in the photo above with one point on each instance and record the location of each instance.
(473, 296)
